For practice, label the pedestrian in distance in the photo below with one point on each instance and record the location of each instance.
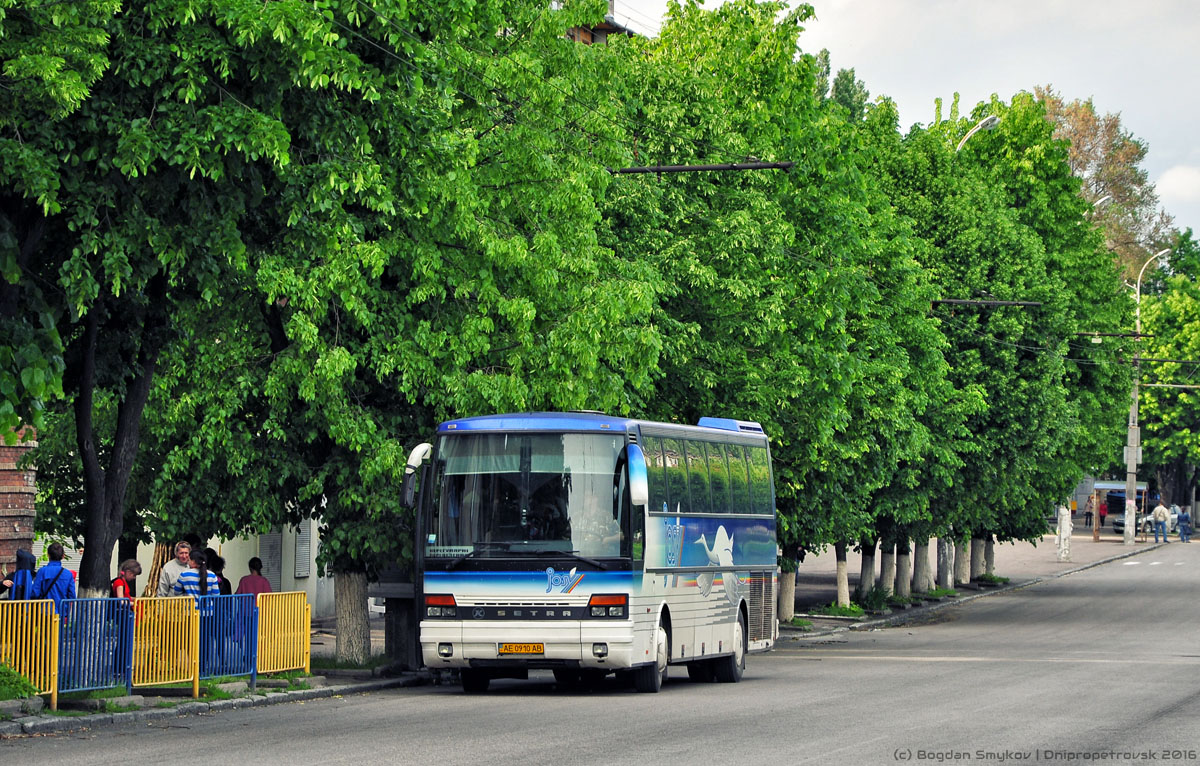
(173, 568)
(1102, 512)
(199, 583)
(254, 583)
(1161, 516)
(124, 584)
(1185, 525)
(218, 568)
(53, 581)
(19, 582)
(1087, 513)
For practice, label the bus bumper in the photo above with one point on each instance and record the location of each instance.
(598, 644)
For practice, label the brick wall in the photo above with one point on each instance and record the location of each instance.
(17, 488)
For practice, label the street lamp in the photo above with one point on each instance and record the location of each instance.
(987, 123)
(1134, 445)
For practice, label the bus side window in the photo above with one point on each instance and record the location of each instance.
(676, 467)
(698, 477)
(656, 474)
(760, 480)
(739, 482)
(718, 472)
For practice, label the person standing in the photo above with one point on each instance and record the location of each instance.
(198, 582)
(1184, 523)
(1087, 513)
(1102, 511)
(19, 582)
(1161, 516)
(52, 581)
(173, 568)
(123, 585)
(254, 583)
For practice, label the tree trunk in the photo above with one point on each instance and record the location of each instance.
(903, 570)
(105, 487)
(887, 569)
(843, 580)
(163, 552)
(787, 596)
(866, 571)
(353, 626)
(922, 579)
(989, 555)
(977, 563)
(945, 563)
(962, 562)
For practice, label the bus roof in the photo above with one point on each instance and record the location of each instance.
(578, 421)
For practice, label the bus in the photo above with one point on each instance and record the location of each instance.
(587, 544)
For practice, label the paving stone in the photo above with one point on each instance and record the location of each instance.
(218, 705)
(191, 708)
(49, 723)
(124, 719)
(10, 728)
(95, 719)
(234, 687)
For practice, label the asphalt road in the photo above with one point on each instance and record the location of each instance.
(1100, 666)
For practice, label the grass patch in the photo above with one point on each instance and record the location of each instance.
(993, 579)
(329, 663)
(66, 713)
(875, 599)
(901, 600)
(833, 610)
(801, 623)
(116, 707)
(93, 694)
(166, 704)
(942, 593)
(13, 685)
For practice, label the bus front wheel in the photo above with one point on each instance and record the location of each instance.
(474, 681)
(649, 678)
(729, 669)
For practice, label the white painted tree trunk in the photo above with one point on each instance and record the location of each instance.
(922, 579)
(977, 563)
(962, 562)
(787, 596)
(843, 580)
(353, 627)
(887, 569)
(866, 571)
(989, 555)
(945, 563)
(904, 573)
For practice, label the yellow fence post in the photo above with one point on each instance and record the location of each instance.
(54, 663)
(195, 650)
(307, 639)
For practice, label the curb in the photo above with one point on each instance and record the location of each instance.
(911, 614)
(45, 724)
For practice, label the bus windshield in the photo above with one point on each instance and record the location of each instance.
(505, 494)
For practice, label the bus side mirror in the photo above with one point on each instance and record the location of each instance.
(408, 490)
(639, 487)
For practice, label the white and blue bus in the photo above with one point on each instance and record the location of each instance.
(588, 544)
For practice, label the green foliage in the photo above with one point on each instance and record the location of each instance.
(876, 599)
(14, 685)
(833, 610)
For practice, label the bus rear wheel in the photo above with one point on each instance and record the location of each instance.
(729, 669)
(649, 678)
(474, 681)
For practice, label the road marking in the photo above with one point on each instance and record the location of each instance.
(1177, 660)
(1155, 563)
(1132, 563)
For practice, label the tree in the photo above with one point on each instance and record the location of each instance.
(1107, 158)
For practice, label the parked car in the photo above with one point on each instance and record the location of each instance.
(1145, 522)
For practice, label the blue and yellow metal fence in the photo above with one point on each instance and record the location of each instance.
(29, 643)
(103, 643)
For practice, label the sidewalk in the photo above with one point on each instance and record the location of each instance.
(1022, 563)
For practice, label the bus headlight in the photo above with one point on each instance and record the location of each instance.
(600, 651)
(440, 606)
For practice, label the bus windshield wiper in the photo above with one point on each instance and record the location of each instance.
(480, 545)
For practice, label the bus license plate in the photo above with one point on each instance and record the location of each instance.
(522, 649)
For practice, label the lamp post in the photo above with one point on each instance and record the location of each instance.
(987, 123)
(1134, 446)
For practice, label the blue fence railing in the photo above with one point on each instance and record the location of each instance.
(228, 636)
(95, 644)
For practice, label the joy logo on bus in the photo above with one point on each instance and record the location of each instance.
(564, 581)
(674, 543)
